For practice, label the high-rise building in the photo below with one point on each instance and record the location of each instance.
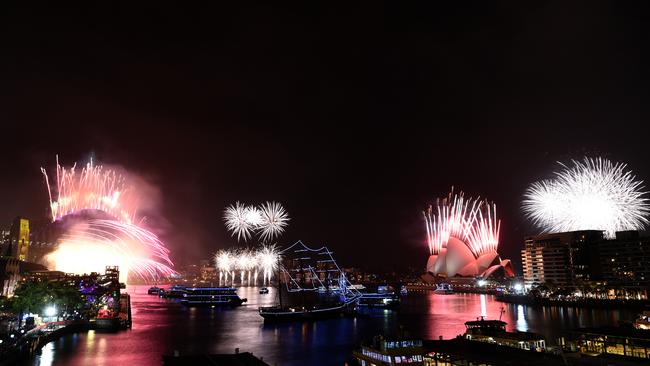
(19, 238)
(563, 259)
(625, 260)
(576, 258)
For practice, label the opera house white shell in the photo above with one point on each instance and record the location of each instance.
(457, 260)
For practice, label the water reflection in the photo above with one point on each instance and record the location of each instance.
(522, 325)
(161, 326)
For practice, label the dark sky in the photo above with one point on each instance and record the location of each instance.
(355, 117)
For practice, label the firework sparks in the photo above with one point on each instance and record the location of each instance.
(91, 245)
(592, 194)
(240, 220)
(247, 262)
(93, 241)
(274, 219)
(267, 222)
(473, 221)
(92, 188)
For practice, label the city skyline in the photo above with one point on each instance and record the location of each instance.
(356, 148)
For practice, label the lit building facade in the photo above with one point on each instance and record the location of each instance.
(577, 258)
(563, 259)
(18, 242)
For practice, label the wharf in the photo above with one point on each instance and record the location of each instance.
(582, 303)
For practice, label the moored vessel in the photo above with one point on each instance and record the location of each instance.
(211, 296)
(310, 286)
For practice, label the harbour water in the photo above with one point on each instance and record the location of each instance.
(162, 326)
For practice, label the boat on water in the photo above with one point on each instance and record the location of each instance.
(264, 290)
(494, 331)
(154, 290)
(383, 301)
(310, 286)
(176, 292)
(443, 289)
(211, 296)
(384, 298)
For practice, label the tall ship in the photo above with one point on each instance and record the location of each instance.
(211, 296)
(310, 286)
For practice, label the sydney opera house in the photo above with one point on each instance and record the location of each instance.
(463, 236)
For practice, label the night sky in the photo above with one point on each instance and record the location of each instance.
(354, 117)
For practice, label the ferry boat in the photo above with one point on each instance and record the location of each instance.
(154, 290)
(443, 289)
(264, 290)
(383, 298)
(175, 292)
(494, 331)
(382, 351)
(211, 296)
(377, 300)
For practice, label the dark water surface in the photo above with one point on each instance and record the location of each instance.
(161, 326)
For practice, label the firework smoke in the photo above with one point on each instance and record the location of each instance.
(99, 207)
(592, 194)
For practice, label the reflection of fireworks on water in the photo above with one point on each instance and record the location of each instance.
(595, 194)
(91, 243)
(473, 221)
(245, 261)
(267, 221)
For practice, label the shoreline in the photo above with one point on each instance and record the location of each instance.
(583, 303)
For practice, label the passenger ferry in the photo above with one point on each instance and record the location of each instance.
(384, 298)
(211, 296)
(153, 290)
(175, 292)
(264, 290)
(494, 331)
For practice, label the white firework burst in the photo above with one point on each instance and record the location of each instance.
(274, 218)
(224, 260)
(267, 221)
(592, 194)
(241, 220)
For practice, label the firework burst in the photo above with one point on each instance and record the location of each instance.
(92, 241)
(93, 244)
(267, 221)
(473, 221)
(592, 194)
(92, 188)
(240, 220)
(247, 262)
(273, 220)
